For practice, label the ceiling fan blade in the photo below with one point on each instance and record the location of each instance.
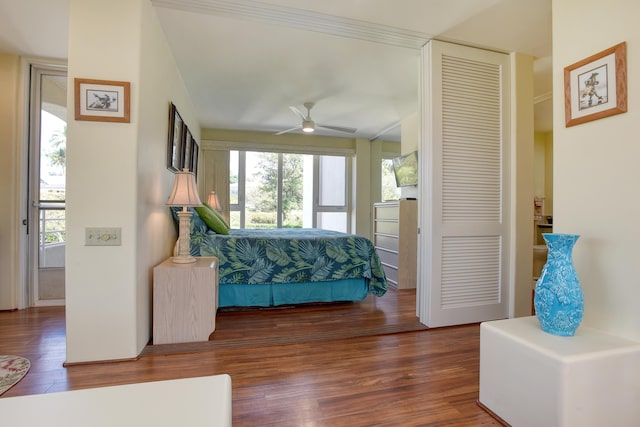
(288, 130)
(297, 112)
(338, 128)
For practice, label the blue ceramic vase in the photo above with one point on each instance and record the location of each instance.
(558, 300)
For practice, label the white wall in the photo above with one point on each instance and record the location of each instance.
(101, 168)
(117, 177)
(596, 171)
(156, 230)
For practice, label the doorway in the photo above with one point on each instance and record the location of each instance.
(46, 231)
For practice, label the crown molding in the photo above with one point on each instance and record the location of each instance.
(542, 97)
(384, 131)
(301, 19)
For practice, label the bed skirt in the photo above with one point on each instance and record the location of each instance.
(241, 295)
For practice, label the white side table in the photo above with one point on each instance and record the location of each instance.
(530, 378)
(193, 402)
(185, 300)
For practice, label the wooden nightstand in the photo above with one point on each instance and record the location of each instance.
(185, 300)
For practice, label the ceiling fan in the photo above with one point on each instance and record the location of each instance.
(308, 125)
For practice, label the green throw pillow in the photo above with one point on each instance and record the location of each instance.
(218, 214)
(212, 219)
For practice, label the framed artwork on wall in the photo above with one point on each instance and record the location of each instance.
(102, 100)
(175, 140)
(187, 149)
(596, 87)
(194, 157)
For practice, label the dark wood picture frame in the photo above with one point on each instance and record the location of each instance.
(102, 100)
(175, 140)
(195, 151)
(596, 87)
(186, 149)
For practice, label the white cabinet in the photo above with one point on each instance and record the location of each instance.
(198, 401)
(396, 240)
(185, 300)
(531, 378)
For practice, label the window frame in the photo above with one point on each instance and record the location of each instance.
(316, 207)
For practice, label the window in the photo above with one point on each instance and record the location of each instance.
(331, 177)
(288, 190)
(389, 189)
(236, 215)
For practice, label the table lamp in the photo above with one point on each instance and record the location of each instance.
(214, 202)
(185, 194)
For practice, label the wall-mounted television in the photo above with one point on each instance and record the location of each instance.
(405, 169)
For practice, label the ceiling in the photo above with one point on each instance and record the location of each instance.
(245, 62)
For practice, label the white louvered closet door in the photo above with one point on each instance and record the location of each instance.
(464, 211)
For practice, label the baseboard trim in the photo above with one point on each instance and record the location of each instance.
(100, 362)
(493, 414)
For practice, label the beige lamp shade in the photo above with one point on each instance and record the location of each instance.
(213, 201)
(185, 192)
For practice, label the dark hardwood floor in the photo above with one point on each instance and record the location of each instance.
(414, 378)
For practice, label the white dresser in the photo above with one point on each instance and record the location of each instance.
(396, 240)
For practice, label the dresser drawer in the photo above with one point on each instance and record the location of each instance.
(387, 242)
(387, 257)
(387, 227)
(387, 212)
(392, 275)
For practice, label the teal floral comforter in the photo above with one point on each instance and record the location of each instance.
(290, 255)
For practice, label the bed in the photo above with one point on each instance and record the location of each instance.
(290, 266)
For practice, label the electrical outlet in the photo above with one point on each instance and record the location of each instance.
(102, 236)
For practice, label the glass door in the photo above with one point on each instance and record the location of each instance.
(47, 182)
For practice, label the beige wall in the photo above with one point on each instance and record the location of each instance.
(596, 171)
(9, 212)
(213, 175)
(362, 201)
(543, 169)
(522, 186)
(548, 173)
(366, 165)
(294, 142)
(117, 177)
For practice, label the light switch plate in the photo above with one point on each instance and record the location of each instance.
(102, 236)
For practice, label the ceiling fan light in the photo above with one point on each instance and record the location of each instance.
(308, 126)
